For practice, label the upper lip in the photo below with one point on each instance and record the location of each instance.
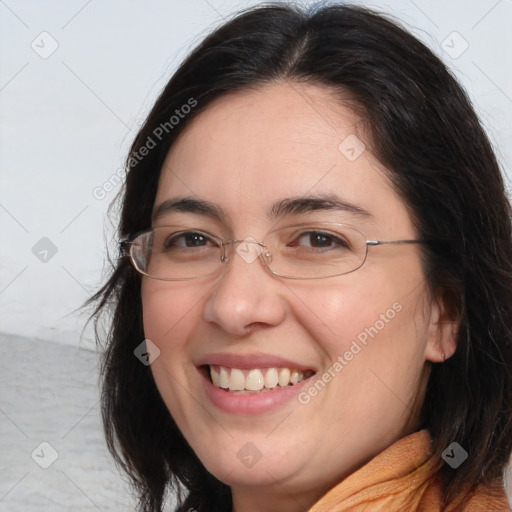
(250, 361)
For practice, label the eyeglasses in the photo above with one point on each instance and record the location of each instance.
(318, 251)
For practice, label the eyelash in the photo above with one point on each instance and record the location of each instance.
(171, 241)
(333, 239)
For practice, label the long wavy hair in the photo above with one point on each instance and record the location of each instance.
(424, 130)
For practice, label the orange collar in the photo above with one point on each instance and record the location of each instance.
(404, 478)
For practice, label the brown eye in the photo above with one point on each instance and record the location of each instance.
(320, 240)
(187, 240)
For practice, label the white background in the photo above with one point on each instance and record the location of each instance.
(67, 121)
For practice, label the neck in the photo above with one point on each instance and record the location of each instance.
(278, 498)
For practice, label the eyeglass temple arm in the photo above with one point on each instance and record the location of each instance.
(395, 242)
(124, 247)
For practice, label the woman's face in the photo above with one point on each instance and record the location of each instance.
(361, 340)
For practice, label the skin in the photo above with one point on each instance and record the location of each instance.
(244, 152)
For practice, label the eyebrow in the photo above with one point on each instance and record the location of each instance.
(280, 209)
(307, 204)
(188, 205)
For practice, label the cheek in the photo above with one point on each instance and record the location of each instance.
(340, 312)
(169, 311)
(370, 324)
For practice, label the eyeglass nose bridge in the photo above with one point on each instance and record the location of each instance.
(245, 253)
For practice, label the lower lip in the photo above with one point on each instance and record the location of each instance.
(254, 403)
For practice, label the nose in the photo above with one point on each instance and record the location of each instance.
(247, 297)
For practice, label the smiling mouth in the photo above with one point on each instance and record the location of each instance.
(256, 380)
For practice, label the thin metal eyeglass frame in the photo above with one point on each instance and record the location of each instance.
(127, 244)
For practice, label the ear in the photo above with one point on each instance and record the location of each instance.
(444, 324)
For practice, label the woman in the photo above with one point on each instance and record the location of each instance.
(315, 278)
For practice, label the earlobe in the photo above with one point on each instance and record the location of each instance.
(443, 329)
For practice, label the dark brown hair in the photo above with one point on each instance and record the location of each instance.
(424, 130)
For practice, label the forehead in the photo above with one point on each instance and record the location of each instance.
(253, 148)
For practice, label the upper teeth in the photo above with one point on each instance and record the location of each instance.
(256, 379)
